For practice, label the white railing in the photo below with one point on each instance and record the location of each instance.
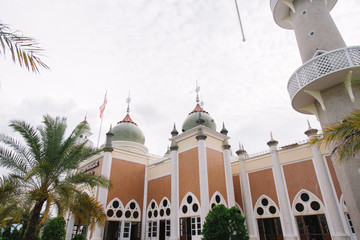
(325, 64)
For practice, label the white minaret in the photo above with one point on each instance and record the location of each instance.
(322, 86)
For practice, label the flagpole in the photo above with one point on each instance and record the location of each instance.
(102, 112)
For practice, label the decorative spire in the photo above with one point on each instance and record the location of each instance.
(197, 90)
(224, 131)
(128, 100)
(241, 150)
(311, 131)
(272, 142)
(174, 132)
(108, 144)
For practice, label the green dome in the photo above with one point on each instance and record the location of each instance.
(127, 130)
(190, 121)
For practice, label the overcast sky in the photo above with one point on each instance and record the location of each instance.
(158, 49)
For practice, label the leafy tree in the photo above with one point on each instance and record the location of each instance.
(55, 229)
(24, 50)
(79, 237)
(40, 165)
(344, 136)
(223, 223)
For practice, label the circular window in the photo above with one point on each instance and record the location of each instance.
(127, 214)
(315, 205)
(115, 204)
(132, 205)
(152, 205)
(119, 213)
(299, 207)
(149, 214)
(195, 207)
(217, 199)
(213, 205)
(189, 199)
(260, 211)
(264, 202)
(272, 209)
(155, 213)
(168, 211)
(161, 212)
(110, 213)
(305, 197)
(184, 209)
(165, 203)
(136, 214)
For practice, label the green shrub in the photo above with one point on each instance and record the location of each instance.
(55, 229)
(223, 223)
(79, 237)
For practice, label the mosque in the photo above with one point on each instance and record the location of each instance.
(289, 192)
(282, 192)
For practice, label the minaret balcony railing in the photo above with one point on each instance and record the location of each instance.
(322, 72)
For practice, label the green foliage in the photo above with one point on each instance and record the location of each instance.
(344, 136)
(79, 237)
(55, 229)
(223, 223)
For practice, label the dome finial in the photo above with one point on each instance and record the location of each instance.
(197, 90)
(128, 100)
(224, 131)
(174, 132)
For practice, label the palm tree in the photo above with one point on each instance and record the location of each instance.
(41, 163)
(24, 50)
(344, 136)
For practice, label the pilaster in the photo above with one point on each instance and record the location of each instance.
(174, 221)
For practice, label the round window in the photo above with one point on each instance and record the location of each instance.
(155, 213)
(165, 203)
(189, 199)
(195, 207)
(149, 214)
(272, 209)
(315, 205)
(264, 202)
(132, 205)
(161, 212)
(217, 199)
(152, 205)
(136, 214)
(110, 213)
(260, 211)
(115, 204)
(184, 209)
(119, 213)
(299, 207)
(168, 211)
(305, 197)
(127, 214)
(213, 205)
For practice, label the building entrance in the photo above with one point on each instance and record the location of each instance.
(190, 228)
(114, 231)
(270, 229)
(313, 227)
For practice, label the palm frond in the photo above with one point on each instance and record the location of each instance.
(24, 50)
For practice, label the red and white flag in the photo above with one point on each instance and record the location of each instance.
(102, 107)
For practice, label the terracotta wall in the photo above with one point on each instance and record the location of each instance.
(128, 181)
(216, 173)
(262, 183)
(96, 170)
(237, 191)
(301, 175)
(158, 189)
(189, 173)
(334, 177)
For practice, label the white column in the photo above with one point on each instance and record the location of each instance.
(334, 221)
(289, 227)
(103, 192)
(174, 221)
(143, 224)
(249, 213)
(203, 176)
(228, 175)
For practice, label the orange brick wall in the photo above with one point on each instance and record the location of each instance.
(216, 173)
(237, 191)
(97, 170)
(158, 189)
(301, 175)
(189, 173)
(334, 177)
(262, 183)
(128, 181)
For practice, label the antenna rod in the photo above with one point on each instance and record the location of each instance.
(241, 27)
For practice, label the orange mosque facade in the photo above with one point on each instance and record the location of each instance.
(289, 192)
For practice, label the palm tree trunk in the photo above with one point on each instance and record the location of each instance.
(34, 221)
